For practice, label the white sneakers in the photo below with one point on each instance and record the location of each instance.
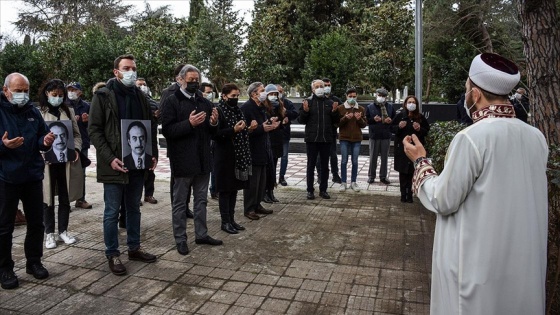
(52, 238)
(354, 186)
(67, 238)
(50, 241)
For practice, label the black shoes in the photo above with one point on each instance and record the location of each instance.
(208, 241)
(371, 180)
(214, 195)
(190, 214)
(325, 195)
(9, 280)
(336, 179)
(262, 210)
(385, 181)
(282, 181)
(237, 226)
(182, 248)
(310, 195)
(116, 266)
(252, 215)
(266, 197)
(141, 255)
(228, 228)
(272, 197)
(37, 270)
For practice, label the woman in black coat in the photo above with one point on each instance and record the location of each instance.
(274, 110)
(408, 121)
(232, 156)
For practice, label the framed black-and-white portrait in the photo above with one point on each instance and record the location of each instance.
(136, 144)
(62, 149)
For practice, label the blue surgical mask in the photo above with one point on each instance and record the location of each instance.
(467, 108)
(55, 100)
(351, 101)
(272, 98)
(19, 98)
(129, 78)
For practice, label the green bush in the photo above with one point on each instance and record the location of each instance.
(438, 140)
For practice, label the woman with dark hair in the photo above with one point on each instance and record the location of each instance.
(232, 156)
(274, 111)
(65, 178)
(408, 121)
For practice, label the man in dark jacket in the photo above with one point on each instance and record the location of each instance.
(259, 143)
(291, 114)
(81, 110)
(332, 154)
(379, 116)
(24, 134)
(318, 113)
(120, 99)
(188, 122)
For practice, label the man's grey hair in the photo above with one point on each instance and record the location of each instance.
(253, 87)
(10, 76)
(189, 68)
(315, 81)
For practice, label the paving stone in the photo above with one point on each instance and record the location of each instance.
(137, 289)
(239, 310)
(212, 308)
(250, 301)
(83, 303)
(283, 293)
(258, 289)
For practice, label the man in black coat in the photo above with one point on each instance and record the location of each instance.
(319, 114)
(188, 122)
(261, 153)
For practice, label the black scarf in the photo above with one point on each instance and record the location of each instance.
(133, 108)
(240, 140)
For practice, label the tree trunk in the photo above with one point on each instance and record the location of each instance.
(541, 35)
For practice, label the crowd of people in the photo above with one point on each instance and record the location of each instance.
(44, 153)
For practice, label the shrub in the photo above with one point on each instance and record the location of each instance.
(438, 140)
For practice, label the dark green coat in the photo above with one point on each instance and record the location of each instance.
(105, 133)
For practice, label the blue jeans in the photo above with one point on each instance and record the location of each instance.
(346, 148)
(284, 159)
(112, 196)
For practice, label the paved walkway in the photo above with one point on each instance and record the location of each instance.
(357, 253)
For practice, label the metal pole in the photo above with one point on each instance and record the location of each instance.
(418, 52)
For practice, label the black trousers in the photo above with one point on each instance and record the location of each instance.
(405, 181)
(226, 200)
(253, 195)
(321, 149)
(58, 183)
(31, 195)
(149, 184)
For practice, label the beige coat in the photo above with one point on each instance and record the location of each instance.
(74, 171)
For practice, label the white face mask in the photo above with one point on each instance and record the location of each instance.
(272, 98)
(129, 77)
(411, 107)
(327, 90)
(280, 95)
(320, 92)
(262, 96)
(19, 98)
(351, 101)
(144, 89)
(73, 96)
(55, 100)
(467, 108)
(518, 96)
(380, 99)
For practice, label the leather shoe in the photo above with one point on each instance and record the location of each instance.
(9, 280)
(336, 179)
(272, 197)
(208, 241)
(228, 228)
(190, 214)
(385, 181)
(214, 195)
(252, 215)
(37, 270)
(262, 210)
(310, 195)
(237, 226)
(325, 195)
(371, 180)
(150, 199)
(141, 255)
(282, 181)
(266, 198)
(182, 248)
(116, 266)
(83, 204)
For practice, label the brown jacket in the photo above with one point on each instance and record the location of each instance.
(350, 129)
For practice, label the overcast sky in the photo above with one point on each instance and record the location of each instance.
(10, 8)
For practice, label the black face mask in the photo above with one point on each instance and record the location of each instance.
(232, 101)
(192, 87)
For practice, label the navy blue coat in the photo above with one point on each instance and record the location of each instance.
(379, 130)
(25, 163)
(80, 106)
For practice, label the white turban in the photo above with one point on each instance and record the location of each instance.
(494, 73)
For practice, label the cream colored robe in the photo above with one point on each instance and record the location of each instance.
(490, 246)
